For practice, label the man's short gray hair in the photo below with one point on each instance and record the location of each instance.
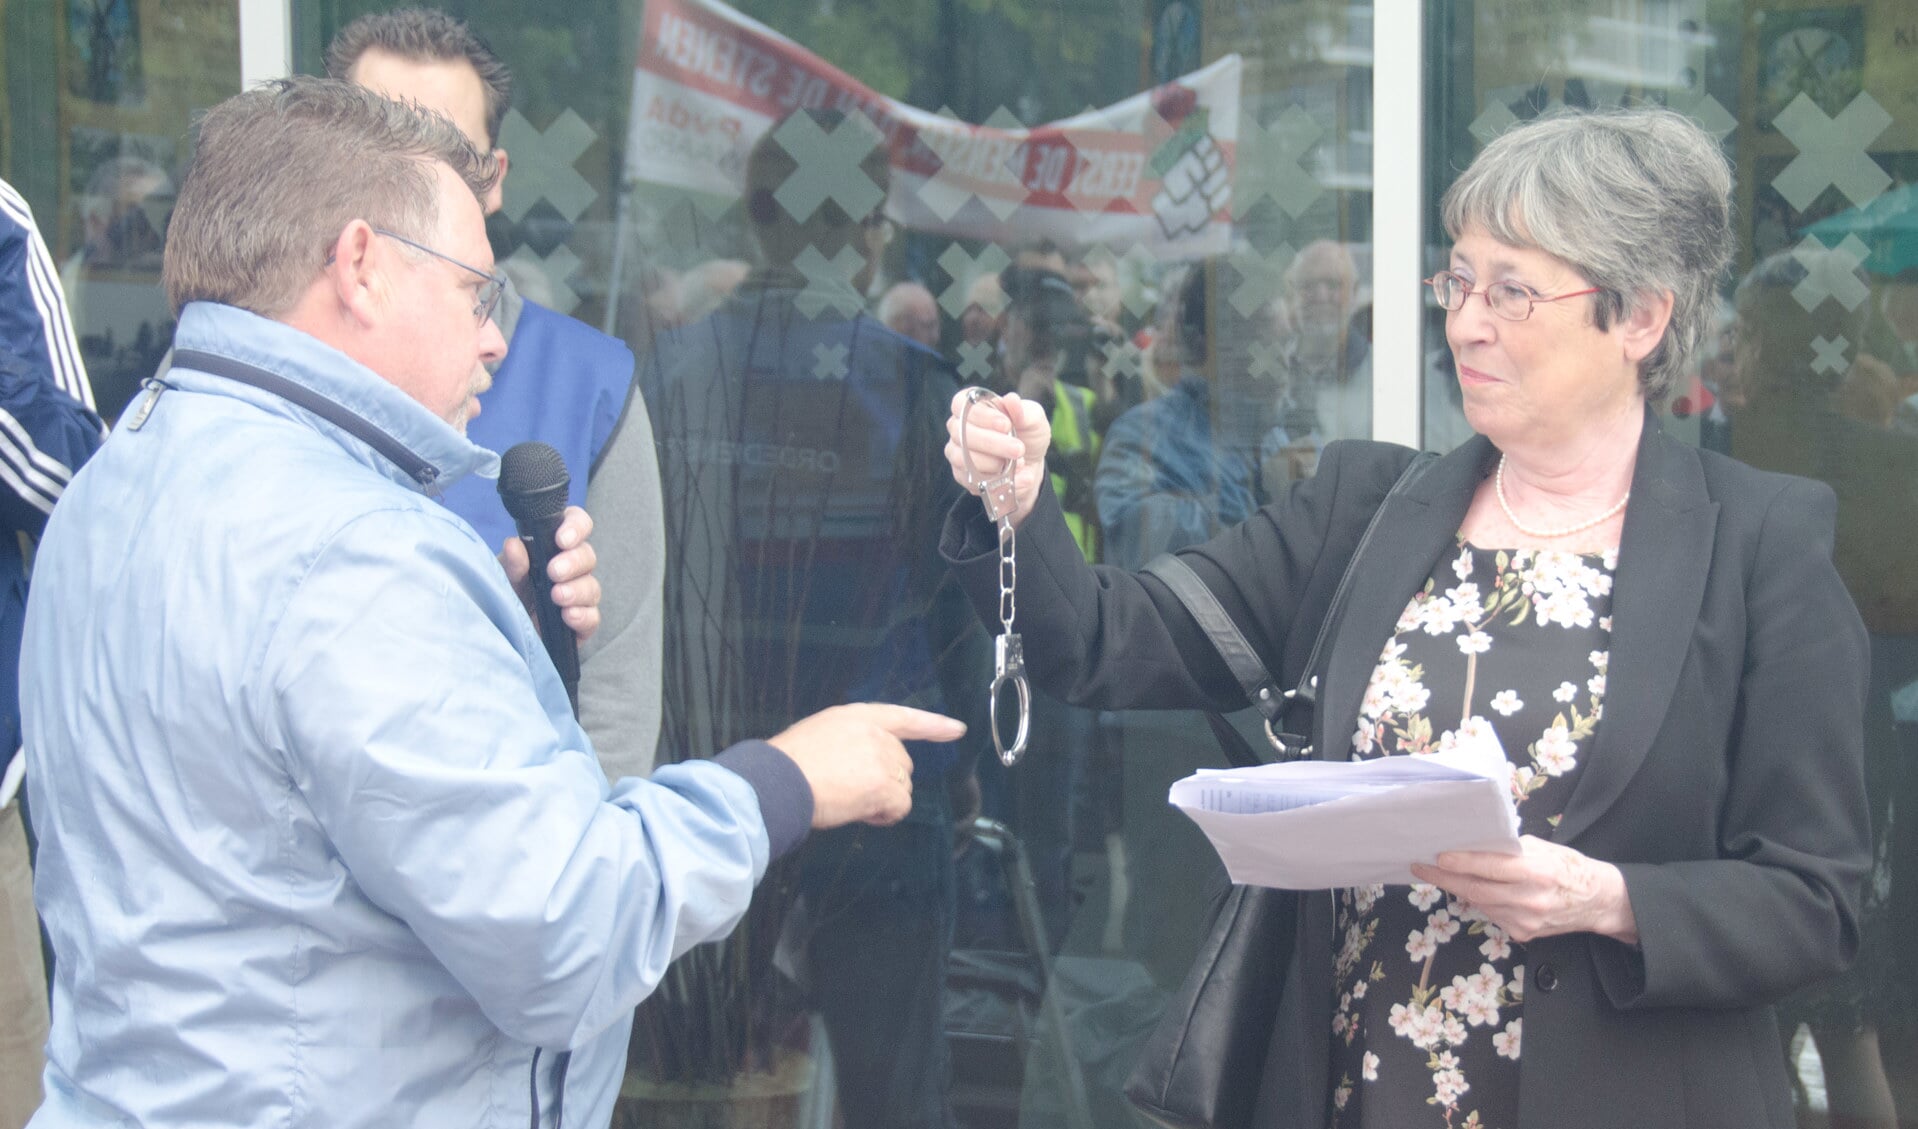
(279, 170)
(1637, 201)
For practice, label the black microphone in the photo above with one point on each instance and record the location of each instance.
(532, 484)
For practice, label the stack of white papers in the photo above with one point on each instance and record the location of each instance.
(1317, 825)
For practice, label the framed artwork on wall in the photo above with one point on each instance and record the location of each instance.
(1819, 52)
(102, 46)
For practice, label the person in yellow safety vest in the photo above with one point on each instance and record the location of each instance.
(1075, 455)
(1043, 324)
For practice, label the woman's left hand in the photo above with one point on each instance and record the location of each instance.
(1544, 890)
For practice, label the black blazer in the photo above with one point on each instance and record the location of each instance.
(1726, 779)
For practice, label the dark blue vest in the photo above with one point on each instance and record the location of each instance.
(564, 383)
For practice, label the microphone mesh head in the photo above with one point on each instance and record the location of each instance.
(532, 481)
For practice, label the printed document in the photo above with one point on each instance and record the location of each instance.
(1316, 825)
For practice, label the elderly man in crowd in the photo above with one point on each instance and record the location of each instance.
(1327, 357)
(321, 844)
(908, 309)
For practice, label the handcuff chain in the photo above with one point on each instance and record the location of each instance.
(999, 495)
(1008, 577)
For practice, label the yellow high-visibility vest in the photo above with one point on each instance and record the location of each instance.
(1072, 433)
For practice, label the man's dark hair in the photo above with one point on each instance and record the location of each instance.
(425, 35)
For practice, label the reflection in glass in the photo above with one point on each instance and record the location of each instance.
(101, 98)
(1177, 274)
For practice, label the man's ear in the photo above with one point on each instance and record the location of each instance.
(496, 195)
(358, 286)
(1644, 327)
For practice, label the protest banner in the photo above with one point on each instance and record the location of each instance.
(1153, 170)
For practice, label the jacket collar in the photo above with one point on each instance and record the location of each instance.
(1420, 524)
(327, 390)
(1664, 557)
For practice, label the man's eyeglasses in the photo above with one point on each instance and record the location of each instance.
(1508, 300)
(488, 294)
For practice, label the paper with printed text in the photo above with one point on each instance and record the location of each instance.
(1315, 825)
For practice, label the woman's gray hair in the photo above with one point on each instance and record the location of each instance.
(280, 170)
(1637, 201)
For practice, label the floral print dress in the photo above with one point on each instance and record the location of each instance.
(1428, 1023)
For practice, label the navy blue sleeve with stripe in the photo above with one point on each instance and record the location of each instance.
(45, 435)
(47, 423)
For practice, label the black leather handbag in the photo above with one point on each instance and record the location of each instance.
(1199, 1069)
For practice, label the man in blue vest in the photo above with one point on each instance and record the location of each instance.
(562, 382)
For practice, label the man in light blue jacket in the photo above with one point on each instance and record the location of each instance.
(321, 842)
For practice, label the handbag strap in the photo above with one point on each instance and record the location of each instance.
(1260, 688)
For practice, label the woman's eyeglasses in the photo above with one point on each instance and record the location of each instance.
(1508, 300)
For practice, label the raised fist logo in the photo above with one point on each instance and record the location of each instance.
(1194, 181)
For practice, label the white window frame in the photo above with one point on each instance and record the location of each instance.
(1398, 243)
(266, 40)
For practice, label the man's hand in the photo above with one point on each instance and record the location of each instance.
(854, 759)
(575, 588)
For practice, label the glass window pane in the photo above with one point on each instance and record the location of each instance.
(813, 221)
(1150, 221)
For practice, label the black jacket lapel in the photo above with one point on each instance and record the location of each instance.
(1664, 557)
(1422, 524)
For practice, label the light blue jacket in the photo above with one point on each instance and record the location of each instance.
(320, 843)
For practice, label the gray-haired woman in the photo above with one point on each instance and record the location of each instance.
(1654, 634)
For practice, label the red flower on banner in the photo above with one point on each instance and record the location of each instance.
(1173, 102)
(1697, 399)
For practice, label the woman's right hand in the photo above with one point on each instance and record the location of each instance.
(994, 438)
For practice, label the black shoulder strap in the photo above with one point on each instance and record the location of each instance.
(1259, 685)
(1293, 742)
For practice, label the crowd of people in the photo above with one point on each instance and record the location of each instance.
(1291, 376)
